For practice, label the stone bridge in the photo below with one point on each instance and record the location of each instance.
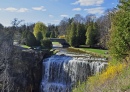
(61, 41)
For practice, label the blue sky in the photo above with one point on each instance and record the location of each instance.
(50, 11)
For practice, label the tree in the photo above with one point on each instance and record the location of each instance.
(28, 38)
(81, 34)
(119, 43)
(48, 34)
(52, 34)
(1, 27)
(15, 27)
(56, 31)
(63, 26)
(6, 45)
(78, 19)
(73, 41)
(46, 43)
(91, 34)
(104, 25)
(39, 31)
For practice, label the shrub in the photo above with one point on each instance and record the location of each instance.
(46, 43)
(28, 39)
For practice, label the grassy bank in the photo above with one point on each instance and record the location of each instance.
(25, 46)
(56, 43)
(95, 52)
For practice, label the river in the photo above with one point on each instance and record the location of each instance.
(62, 71)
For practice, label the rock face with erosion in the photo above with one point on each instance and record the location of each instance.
(28, 70)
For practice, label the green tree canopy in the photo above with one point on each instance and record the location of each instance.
(119, 43)
(40, 31)
(91, 34)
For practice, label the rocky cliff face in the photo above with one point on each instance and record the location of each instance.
(20, 68)
(27, 70)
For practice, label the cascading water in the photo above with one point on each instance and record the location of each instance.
(61, 72)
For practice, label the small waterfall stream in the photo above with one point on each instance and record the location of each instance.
(62, 71)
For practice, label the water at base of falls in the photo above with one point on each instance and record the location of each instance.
(61, 72)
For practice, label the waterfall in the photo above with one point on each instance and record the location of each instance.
(62, 72)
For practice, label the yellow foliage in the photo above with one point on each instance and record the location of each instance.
(108, 74)
(62, 37)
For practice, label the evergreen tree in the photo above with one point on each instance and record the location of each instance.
(73, 41)
(81, 34)
(56, 32)
(91, 34)
(28, 38)
(68, 34)
(119, 43)
(78, 35)
(52, 34)
(48, 34)
(96, 33)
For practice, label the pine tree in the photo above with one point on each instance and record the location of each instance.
(89, 35)
(81, 34)
(73, 39)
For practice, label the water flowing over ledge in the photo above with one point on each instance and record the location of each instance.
(62, 71)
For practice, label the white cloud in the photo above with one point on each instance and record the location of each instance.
(97, 10)
(51, 16)
(77, 9)
(41, 8)
(64, 15)
(89, 2)
(11, 9)
(23, 10)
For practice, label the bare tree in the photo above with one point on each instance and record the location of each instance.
(6, 48)
(63, 26)
(6, 57)
(104, 25)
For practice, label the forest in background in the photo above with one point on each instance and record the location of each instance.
(78, 30)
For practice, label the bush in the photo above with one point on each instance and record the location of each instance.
(28, 39)
(46, 43)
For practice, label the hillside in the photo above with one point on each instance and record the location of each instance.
(116, 78)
